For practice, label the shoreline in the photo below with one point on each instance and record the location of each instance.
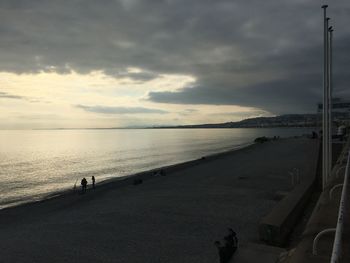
(128, 179)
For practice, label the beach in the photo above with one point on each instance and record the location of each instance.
(35, 164)
(172, 218)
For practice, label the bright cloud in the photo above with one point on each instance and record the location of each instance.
(52, 100)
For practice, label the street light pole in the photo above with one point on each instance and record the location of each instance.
(330, 93)
(327, 104)
(324, 112)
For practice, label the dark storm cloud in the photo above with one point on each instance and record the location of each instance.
(266, 54)
(269, 96)
(296, 92)
(120, 110)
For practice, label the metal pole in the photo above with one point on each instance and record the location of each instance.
(327, 104)
(324, 141)
(330, 91)
(337, 245)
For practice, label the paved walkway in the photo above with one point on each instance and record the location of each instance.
(324, 216)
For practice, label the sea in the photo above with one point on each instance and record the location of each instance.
(36, 164)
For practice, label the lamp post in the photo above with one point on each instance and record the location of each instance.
(330, 91)
(324, 110)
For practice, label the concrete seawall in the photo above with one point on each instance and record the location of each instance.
(275, 227)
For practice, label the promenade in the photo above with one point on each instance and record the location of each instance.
(325, 216)
(172, 218)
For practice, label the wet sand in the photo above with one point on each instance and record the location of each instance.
(173, 218)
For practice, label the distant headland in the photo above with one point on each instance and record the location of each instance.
(289, 120)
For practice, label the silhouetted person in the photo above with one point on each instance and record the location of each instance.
(231, 242)
(137, 181)
(93, 181)
(222, 252)
(83, 185)
(234, 237)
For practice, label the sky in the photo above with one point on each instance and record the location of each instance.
(123, 63)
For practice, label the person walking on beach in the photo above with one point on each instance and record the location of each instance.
(231, 242)
(222, 252)
(93, 181)
(83, 185)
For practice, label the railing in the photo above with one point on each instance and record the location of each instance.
(336, 252)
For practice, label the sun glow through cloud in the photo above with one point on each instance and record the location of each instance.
(75, 100)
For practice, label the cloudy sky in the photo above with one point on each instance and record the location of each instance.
(116, 63)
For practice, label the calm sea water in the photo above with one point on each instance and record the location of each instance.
(37, 163)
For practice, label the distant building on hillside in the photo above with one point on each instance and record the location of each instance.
(340, 110)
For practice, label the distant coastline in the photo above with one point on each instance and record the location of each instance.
(288, 120)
